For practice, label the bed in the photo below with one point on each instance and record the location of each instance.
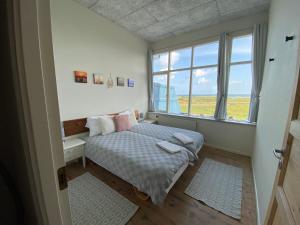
(137, 159)
(166, 133)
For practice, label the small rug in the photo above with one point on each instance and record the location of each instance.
(94, 203)
(219, 186)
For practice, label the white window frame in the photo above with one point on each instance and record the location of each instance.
(229, 63)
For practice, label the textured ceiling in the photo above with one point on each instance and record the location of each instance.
(157, 19)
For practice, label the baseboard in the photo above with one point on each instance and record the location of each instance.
(256, 197)
(227, 149)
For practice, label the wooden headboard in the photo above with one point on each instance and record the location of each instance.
(77, 126)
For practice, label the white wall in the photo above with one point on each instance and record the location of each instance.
(211, 31)
(276, 97)
(85, 41)
(232, 137)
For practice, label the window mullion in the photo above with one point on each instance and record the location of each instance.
(191, 82)
(168, 82)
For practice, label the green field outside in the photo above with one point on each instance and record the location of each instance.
(237, 107)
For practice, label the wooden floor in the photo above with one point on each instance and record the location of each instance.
(179, 208)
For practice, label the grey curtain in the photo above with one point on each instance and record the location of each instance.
(260, 34)
(150, 83)
(222, 81)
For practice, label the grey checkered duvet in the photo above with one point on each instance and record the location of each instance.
(166, 133)
(138, 160)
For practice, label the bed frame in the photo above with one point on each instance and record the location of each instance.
(77, 127)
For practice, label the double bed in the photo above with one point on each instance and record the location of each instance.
(135, 157)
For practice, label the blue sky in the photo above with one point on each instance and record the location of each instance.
(205, 80)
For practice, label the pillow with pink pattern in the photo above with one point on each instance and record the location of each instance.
(122, 122)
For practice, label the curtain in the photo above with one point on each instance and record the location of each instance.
(150, 83)
(260, 34)
(222, 80)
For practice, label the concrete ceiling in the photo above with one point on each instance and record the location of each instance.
(157, 19)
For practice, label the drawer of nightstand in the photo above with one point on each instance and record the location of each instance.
(73, 153)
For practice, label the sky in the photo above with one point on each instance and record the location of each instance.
(204, 81)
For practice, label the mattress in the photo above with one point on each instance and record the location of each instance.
(138, 160)
(166, 133)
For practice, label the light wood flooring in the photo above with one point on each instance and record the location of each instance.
(179, 208)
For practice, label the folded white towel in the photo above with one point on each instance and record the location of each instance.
(169, 147)
(183, 138)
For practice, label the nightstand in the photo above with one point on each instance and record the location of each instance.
(148, 121)
(74, 149)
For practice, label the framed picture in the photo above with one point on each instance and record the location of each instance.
(98, 78)
(80, 76)
(130, 83)
(120, 81)
(110, 81)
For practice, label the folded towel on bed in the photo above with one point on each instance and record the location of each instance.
(183, 138)
(169, 147)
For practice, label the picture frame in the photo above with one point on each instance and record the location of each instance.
(120, 81)
(98, 78)
(80, 76)
(110, 81)
(130, 83)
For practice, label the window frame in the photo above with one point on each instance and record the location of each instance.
(191, 68)
(192, 45)
(244, 62)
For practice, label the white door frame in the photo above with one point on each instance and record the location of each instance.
(35, 85)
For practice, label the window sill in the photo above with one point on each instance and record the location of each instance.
(205, 118)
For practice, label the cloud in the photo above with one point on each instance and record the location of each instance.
(202, 80)
(175, 57)
(200, 73)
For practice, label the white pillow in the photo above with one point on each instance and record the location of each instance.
(107, 125)
(132, 118)
(94, 124)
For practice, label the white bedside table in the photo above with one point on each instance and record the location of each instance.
(148, 121)
(74, 149)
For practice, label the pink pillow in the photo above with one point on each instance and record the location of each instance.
(122, 122)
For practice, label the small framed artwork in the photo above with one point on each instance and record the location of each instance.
(120, 81)
(110, 81)
(130, 83)
(80, 76)
(98, 78)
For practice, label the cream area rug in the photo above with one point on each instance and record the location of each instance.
(219, 186)
(94, 203)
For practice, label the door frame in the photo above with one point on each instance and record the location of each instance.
(38, 110)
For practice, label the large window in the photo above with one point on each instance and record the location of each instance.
(204, 80)
(185, 80)
(240, 78)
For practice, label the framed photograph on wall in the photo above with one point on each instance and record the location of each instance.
(130, 83)
(98, 78)
(80, 76)
(120, 81)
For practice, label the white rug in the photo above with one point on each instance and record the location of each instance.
(219, 186)
(94, 203)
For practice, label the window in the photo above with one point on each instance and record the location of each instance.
(240, 78)
(204, 92)
(160, 62)
(179, 92)
(204, 80)
(160, 92)
(185, 80)
(181, 58)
